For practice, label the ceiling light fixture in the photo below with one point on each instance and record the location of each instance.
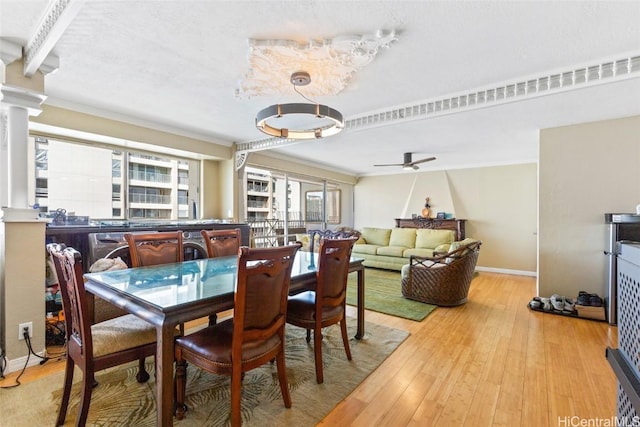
(326, 120)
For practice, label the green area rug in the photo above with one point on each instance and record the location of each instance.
(383, 293)
(120, 401)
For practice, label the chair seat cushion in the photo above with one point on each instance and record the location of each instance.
(121, 333)
(214, 344)
(301, 308)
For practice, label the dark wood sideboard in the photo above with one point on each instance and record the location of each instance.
(456, 225)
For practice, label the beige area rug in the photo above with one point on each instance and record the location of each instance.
(120, 401)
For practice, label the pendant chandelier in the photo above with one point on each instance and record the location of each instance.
(299, 120)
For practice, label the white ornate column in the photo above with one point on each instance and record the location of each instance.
(21, 97)
(22, 234)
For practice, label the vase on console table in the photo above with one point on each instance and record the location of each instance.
(426, 211)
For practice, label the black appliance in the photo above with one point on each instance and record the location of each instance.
(622, 227)
(625, 360)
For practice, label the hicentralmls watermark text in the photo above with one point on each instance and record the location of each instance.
(576, 421)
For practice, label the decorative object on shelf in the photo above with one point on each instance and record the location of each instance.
(273, 120)
(426, 211)
(457, 225)
(441, 215)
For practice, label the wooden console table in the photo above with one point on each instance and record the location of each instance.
(456, 225)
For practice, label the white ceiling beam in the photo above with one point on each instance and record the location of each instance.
(53, 24)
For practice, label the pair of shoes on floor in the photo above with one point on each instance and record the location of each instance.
(539, 303)
(561, 303)
(585, 298)
(546, 304)
(535, 303)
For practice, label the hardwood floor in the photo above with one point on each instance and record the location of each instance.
(490, 362)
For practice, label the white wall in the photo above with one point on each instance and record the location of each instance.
(586, 171)
(80, 179)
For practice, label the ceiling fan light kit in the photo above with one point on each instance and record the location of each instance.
(331, 120)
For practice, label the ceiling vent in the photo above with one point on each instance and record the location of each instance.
(605, 72)
(558, 82)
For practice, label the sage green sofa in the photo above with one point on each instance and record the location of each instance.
(390, 248)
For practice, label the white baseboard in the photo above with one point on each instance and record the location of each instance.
(507, 271)
(17, 364)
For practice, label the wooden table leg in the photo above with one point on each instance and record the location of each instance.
(360, 331)
(164, 374)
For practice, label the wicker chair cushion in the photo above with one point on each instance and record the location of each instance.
(404, 272)
(376, 236)
(427, 238)
(121, 333)
(405, 237)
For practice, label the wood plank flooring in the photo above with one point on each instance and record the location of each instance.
(490, 362)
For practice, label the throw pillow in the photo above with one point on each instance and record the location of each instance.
(454, 246)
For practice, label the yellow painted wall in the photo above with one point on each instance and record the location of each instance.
(24, 279)
(499, 204)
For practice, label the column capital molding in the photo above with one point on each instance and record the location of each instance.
(18, 97)
(21, 215)
(9, 51)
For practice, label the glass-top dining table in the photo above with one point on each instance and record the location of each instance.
(170, 294)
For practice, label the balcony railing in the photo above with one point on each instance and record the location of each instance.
(270, 232)
(257, 204)
(150, 198)
(150, 177)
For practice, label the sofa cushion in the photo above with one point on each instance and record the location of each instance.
(305, 239)
(366, 249)
(421, 252)
(430, 239)
(391, 250)
(361, 241)
(376, 236)
(403, 237)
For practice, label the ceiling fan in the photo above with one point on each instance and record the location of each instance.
(408, 163)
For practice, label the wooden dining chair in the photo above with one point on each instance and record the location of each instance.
(326, 305)
(255, 334)
(221, 242)
(94, 347)
(155, 248)
(147, 249)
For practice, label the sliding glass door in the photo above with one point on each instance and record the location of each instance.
(280, 206)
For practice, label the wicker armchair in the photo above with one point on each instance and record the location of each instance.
(442, 280)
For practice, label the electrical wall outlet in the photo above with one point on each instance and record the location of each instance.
(22, 326)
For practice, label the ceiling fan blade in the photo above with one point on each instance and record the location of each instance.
(428, 159)
(391, 164)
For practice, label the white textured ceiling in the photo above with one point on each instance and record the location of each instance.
(176, 65)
